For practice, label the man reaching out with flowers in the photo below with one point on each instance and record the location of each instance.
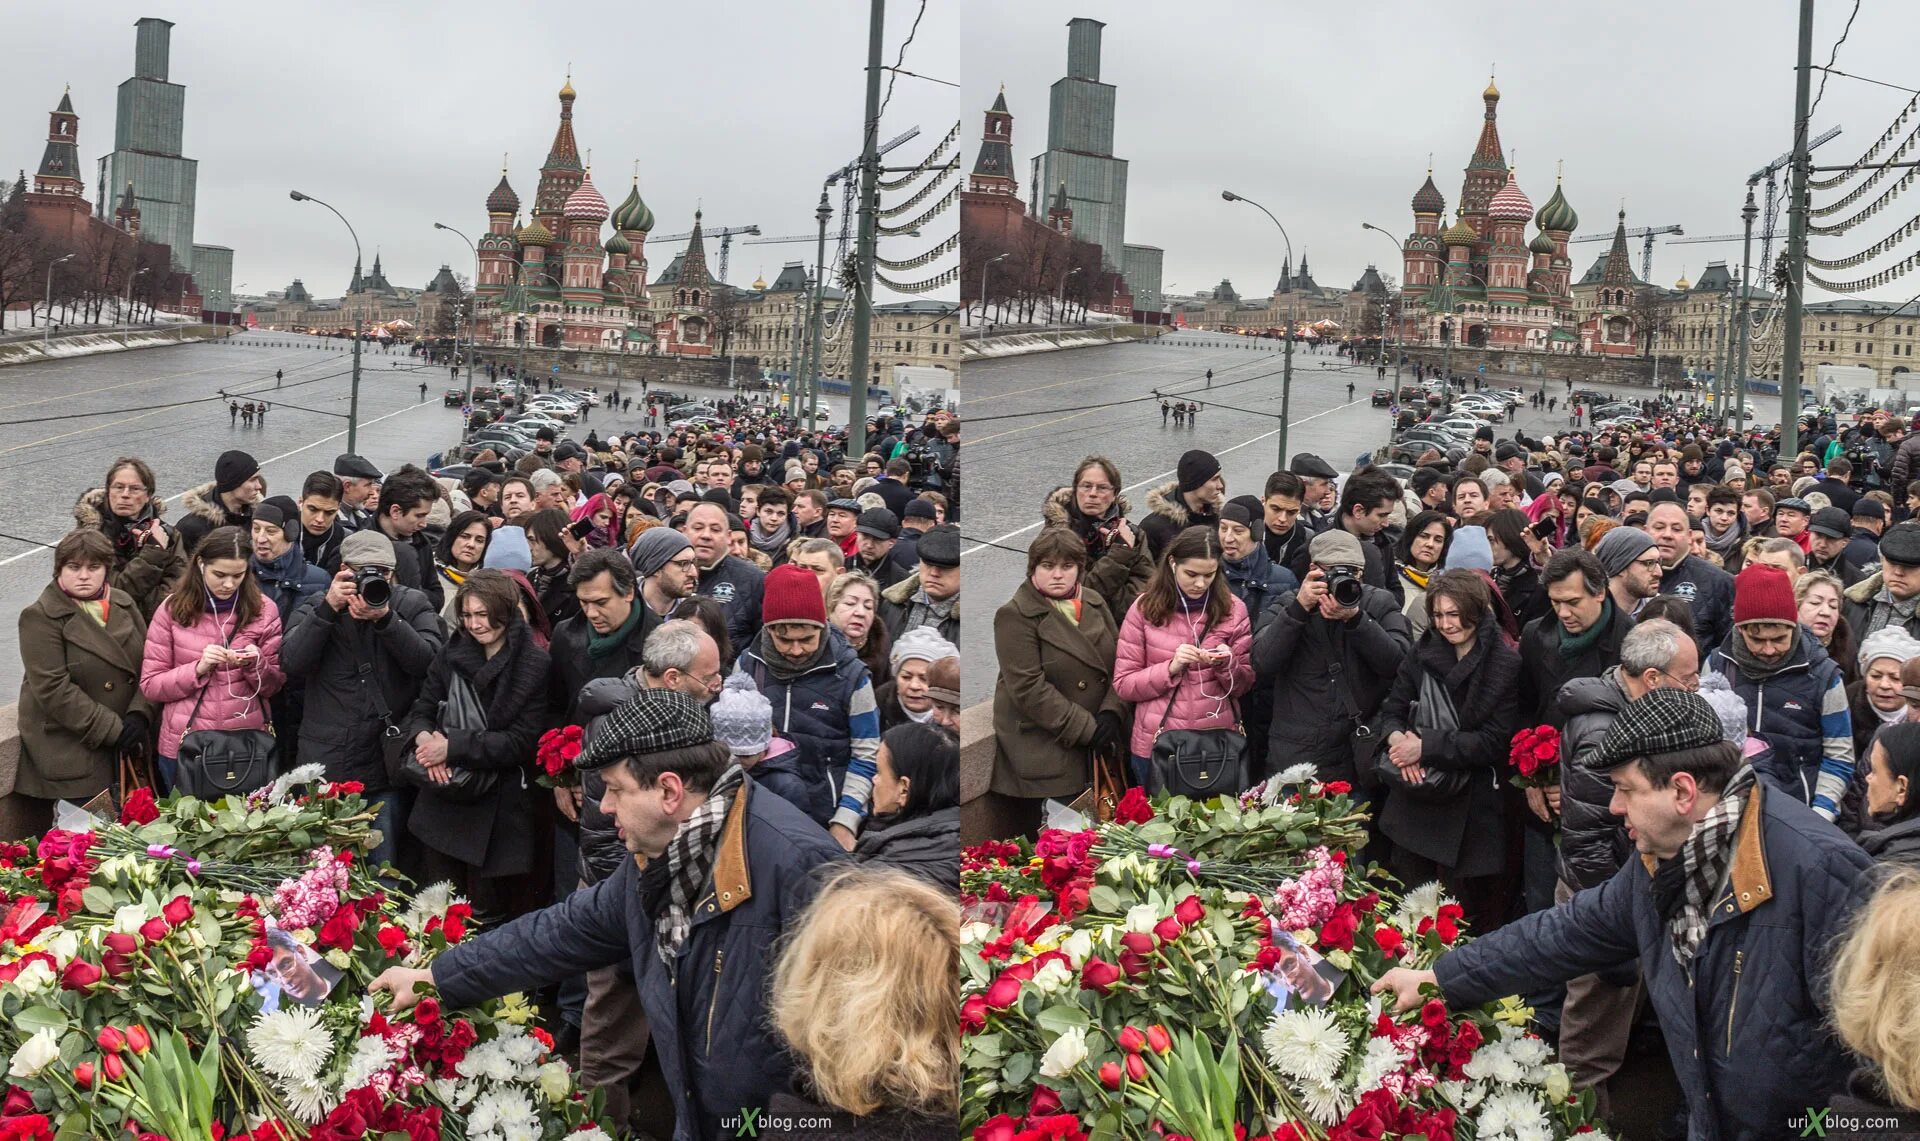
(1738, 892)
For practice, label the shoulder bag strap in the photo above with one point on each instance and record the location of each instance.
(369, 673)
(208, 684)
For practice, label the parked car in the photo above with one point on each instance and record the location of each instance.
(1382, 397)
(1411, 392)
(453, 398)
(692, 408)
(710, 423)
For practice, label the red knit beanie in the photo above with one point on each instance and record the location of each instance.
(1763, 594)
(793, 595)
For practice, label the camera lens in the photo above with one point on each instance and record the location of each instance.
(1346, 591)
(374, 588)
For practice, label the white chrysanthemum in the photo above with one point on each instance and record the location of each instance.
(488, 1061)
(515, 1110)
(290, 1043)
(309, 1098)
(523, 1052)
(429, 901)
(1380, 1058)
(1302, 773)
(1307, 1044)
(1530, 1054)
(484, 1117)
(523, 1131)
(1533, 1131)
(370, 1055)
(1510, 1113)
(305, 774)
(1327, 1102)
(1418, 904)
(1462, 1095)
(590, 1133)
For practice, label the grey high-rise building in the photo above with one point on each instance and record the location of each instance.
(1080, 149)
(147, 128)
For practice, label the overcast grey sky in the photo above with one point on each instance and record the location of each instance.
(397, 114)
(1326, 113)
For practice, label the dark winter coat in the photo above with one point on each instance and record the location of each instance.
(355, 671)
(1118, 571)
(1593, 841)
(1866, 1100)
(1543, 671)
(81, 680)
(1746, 1025)
(839, 1125)
(1054, 678)
(896, 602)
(717, 1046)
(413, 566)
(584, 689)
(924, 845)
(1786, 709)
(204, 513)
(1709, 590)
(494, 834)
(1894, 844)
(828, 710)
(290, 580)
(1522, 591)
(1314, 666)
(601, 849)
(1863, 551)
(1168, 515)
(1257, 580)
(146, 573)
(886, 571)
(1466, 833)
(737, 585)
(1905, 466)
(1863, 604)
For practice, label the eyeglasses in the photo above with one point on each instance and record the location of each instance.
(129, 488)
(1096, 487)
(1652, 563)
(688, 563)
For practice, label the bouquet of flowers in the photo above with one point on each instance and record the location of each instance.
(1535, 757)
(198, 971)
(1201, 970)
(557, 751)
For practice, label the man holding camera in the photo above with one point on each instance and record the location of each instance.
(362, 649)
(1333, 645)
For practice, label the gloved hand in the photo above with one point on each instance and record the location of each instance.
(133, 733)
(1109, 734)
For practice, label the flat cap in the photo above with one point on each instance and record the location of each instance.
(1901, 544)
(1831, 522)
(852, 505)
(879, 523)
(1308, 465)
(1663, 721)
(351, 466)
(1337, 548)
(653, 721)
(1793, 503)
(368, 549)
(918, 508)
(940, 546)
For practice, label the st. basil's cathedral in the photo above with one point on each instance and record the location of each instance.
(553, 283)
(1495, 287)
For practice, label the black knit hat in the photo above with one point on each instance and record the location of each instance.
(1196, 468)
(233, 469)
(1662, 721)
(653, 721)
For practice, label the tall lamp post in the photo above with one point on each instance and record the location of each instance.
(46, 333)
(472, 296)
(1062, 298)
(128, 302)
(983, 289)
(1393, 311)
(353, 399)
(1286, 366)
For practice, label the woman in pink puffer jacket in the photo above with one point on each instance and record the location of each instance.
(216, 633)
(1184, 652)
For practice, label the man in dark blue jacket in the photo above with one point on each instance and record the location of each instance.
(729, 867)
(1707, 588)
(1732, 908)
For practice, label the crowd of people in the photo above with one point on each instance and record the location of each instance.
(1723, 638)
(748, 635)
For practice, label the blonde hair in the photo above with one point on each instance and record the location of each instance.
(863, 991)
(1814, 578)
(1876, 985)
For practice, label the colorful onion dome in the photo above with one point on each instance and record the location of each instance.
(1541, 244)
(503, 200)
(1556, 214)
(535, 234)
(1460, 234)
(585, 204)
(1510, 204)
(633, 214)
(1427, 199)
(618, 244)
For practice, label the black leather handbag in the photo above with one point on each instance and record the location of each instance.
(216, 763)
(459, 710)
(1201, 763)
(1432, 710)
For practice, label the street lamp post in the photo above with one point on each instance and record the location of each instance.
(353, 399)
(1286, 366)
(46, 333)
(1393, 310)
(471, 294)
(983, 290)
(125, 304)
(1062, 298)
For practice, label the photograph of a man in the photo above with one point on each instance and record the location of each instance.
(295, 970)
(1300, 973)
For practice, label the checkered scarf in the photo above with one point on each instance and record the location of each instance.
(1703, 861)
(689, 860)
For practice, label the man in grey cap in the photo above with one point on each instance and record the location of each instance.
(729, 869)
(1891, 596)
(1318, 502)
(1330, 665)
(360, 490)
(931, 595)
(1632, 564)
(1790, 518)
(668, 569)
(878, 533)
(1827, 538)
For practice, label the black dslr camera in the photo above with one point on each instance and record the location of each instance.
(1343, 583)
(373, 585)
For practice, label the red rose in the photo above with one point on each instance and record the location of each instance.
(1168, 929)
(1447, 924)
(121, 943)
(1004, 992)
(1139, 942)
(139, 808)
(1189, 911)
(1158, 1040)
(79, 975)
(18, 1102)
(113, 1067)
(1136, 1068)
(1001, 1128)
(1526, 764)
(178, 910)
(1098, 975)
(1337, 932)
(1468, 1035)
(1134, 807)
(973, 1014)
(1110, 1075)
(83, 1075)
(117, 966)
(154, 930)
(1043, 1102)
(1134, 966)
(1433, 1014)
(110, 1039)
(1389, 940)
(1131, 1039)
(392, 940)
(1546, 751)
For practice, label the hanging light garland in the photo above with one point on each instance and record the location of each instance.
(925, 164)
(932, 255)
(1873, 251)
(1873, 179)
(1905, 181)
(1890, 274)
(929, 188)
(927, 286)
(1873, 151)
(933, 212)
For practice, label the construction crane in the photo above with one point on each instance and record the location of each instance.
(724, 233)
(1646, 232)
(1718, 238)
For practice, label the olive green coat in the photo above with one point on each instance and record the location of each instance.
(1054, 677)
(80, 680)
